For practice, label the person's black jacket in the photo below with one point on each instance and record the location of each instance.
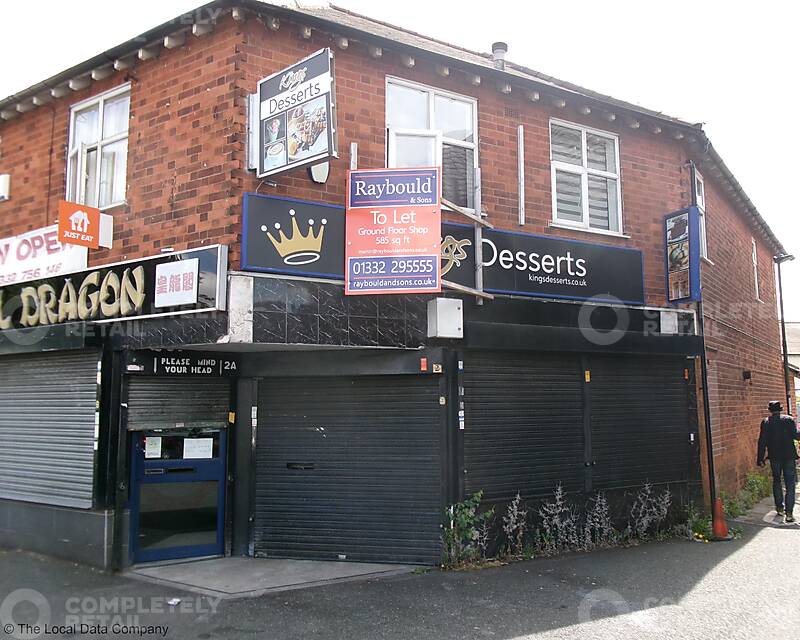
(776, 439)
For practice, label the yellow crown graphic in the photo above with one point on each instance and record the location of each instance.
(298, 248)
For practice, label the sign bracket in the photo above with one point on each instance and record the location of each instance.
(479, 224)
(463, 289)
(471, 216)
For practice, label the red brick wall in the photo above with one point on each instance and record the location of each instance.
(185, 141)
(742, 334)
(187, 171)
(186, 164)
(653, 180)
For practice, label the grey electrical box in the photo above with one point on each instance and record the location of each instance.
(445, 318)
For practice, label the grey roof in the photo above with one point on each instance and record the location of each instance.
(345, 22)
(365, 24)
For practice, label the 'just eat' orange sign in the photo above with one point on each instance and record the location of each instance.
(78, 224)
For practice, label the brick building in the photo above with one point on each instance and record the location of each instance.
(155, 132)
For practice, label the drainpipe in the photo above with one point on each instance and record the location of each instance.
(712, 477)
(779, 260)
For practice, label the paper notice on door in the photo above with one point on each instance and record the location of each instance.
(194, 448)
(152, 447)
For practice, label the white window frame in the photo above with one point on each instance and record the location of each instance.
(417, 133)
(73, 154)
(701, 207)
(584, 171)
(432, 92)
(755, 269)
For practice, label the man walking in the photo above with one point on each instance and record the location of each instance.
(778, 433)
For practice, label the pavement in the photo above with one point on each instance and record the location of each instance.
(669, 590)
(250, 577)
(764, 514)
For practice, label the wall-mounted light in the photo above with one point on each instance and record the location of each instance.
(201, 29)
(175, 40)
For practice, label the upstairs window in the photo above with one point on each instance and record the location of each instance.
(585, 178)
(429, 127)
(700, 197)
(97, 159)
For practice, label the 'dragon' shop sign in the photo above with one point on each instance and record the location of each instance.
(120, 291)
(92, 297)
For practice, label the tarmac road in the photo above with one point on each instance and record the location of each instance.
(747, 588)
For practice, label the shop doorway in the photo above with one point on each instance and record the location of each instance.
(177, 493)
(350, 468)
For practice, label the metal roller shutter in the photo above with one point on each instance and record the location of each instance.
(350, 467)
(640, 415)
(48, 408)
(523, 424)
(163, 402)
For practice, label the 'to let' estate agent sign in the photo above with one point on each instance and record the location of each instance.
(393, 231)
(296, 123)
(306, 239)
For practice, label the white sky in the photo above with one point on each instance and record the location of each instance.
(730, 65)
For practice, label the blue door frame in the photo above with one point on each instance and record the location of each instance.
(144, 471)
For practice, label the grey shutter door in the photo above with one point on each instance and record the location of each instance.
(523, 427)
(166, 403)
(47, 427)
(350, 467)
(640, 421)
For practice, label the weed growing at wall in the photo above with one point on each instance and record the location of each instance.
(515, 525)
(466, 531)
(757, 485)
(648, 513)
(558, 526)
(599, 530)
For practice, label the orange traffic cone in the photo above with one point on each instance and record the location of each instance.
(718, 525)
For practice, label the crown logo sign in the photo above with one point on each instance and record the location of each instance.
(298, 248)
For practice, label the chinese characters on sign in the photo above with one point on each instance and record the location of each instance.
(393, 231)
(120, 291)
(176, 283)
(682, 246)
